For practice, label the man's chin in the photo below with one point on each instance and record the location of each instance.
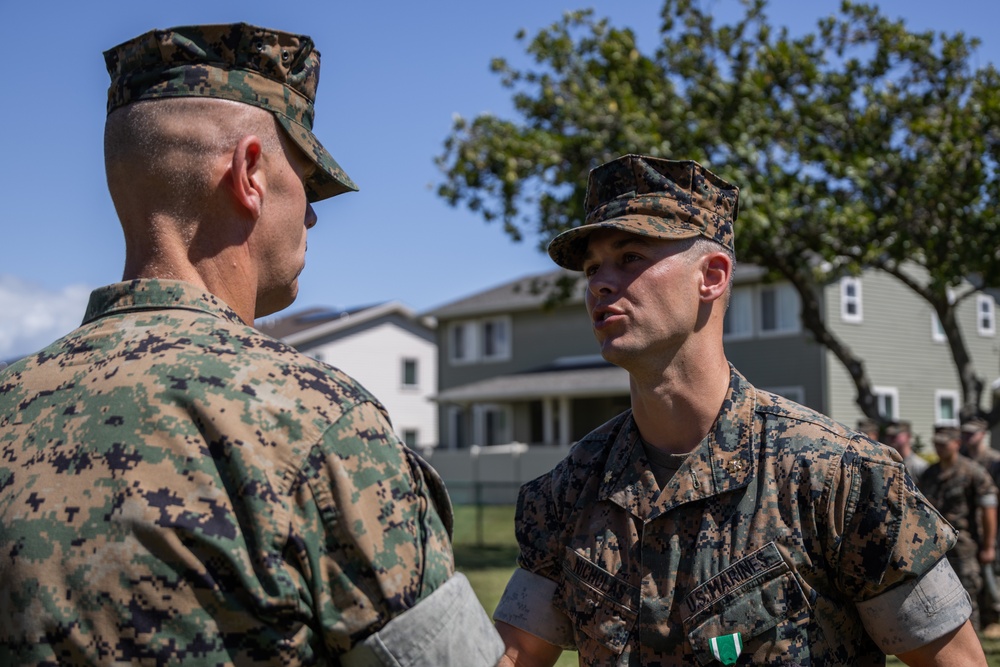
(274, 302)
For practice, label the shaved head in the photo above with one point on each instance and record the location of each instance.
(159, 154)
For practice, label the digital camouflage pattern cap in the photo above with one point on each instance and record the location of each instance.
(945, 434)
(975, 425)
(273, 70)
(896, 427)
(665, 199)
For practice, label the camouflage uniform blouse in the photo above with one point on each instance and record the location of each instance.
(178, 488)
(773, 528)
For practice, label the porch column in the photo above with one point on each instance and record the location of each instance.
(548, 422)
(565, 416)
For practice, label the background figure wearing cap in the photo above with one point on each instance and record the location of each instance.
(713, 519)
(966, 495)
(900, 437)
(975, 445)
(870, 427)
(177, 487)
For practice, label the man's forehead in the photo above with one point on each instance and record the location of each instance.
(617, 239)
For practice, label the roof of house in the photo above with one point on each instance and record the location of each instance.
(574, 377)
(525, 293)
(313, 323)
(531, 292)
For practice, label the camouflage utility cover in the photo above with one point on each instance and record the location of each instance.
(178, 488)
(273, 70)
(772, 528)
(665, 199)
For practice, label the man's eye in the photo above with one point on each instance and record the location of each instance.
(589, 270)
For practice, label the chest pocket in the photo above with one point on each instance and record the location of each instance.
(602, 606)
(750, 597)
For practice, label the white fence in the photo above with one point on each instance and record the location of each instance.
(492, 475)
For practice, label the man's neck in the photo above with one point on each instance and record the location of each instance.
(676, 412)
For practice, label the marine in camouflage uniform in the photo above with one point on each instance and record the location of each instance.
(963, 491)
(178, 488)
(899, 436)
(743, 529)
(976, 447)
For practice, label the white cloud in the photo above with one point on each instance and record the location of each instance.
(32, 316)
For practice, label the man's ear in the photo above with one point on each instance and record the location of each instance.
(246, 176)
(716, 269)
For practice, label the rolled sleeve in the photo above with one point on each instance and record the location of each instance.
(527, 604)
(370, 538)
(449, 627)
(918, 611)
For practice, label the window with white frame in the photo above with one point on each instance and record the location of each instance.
(472, 341)
(410, 436)
(887, 400)
(946, 407)
(779, 309)
(850, 300)
(462, 342)
(986, 315)
(496, 339)
(411, 379)
(491, 424)
(738, 323)
(937, 329)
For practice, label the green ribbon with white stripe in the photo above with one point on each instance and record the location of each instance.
(727, 648)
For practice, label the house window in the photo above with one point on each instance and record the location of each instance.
(410, 437)
(985, 315)
(937, 329)
(946, 407)
(410, 373)
(887, 400)
(456, 427)
(850, 300)
(496, 339)
(492, 425)
(479, 340)
(779, 310)
(462, 342)
(738, 323)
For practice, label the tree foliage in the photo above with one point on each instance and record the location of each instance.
(860, 144)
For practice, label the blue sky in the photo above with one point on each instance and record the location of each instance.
(394, 74)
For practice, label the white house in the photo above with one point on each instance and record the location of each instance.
(386, 347)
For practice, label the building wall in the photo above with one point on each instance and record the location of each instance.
(911, 361)
(537, 338)
(374, 357)
(791, 361)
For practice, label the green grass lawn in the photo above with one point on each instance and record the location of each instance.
(486, 552)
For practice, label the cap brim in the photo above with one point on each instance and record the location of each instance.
(569, 248)
(329, 180)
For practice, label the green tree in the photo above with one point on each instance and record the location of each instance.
(861, 144)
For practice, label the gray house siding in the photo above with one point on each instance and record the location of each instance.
(537, 338)
(913, 363)
(783, 361)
